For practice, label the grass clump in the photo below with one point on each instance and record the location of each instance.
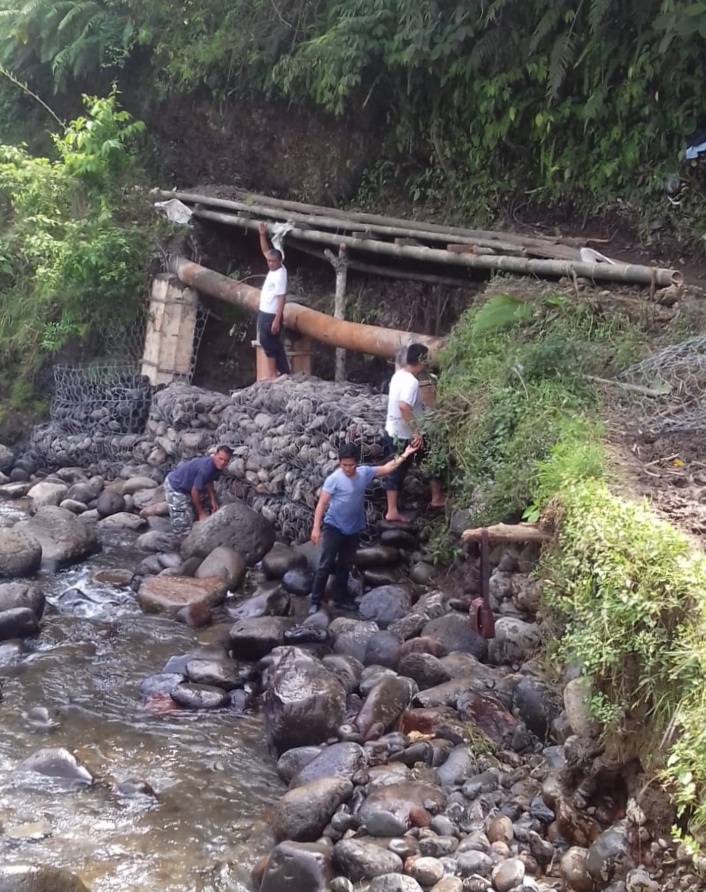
(624, 593)
(514, 385)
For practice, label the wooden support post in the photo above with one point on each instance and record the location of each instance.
(169, 339)
(340, 265)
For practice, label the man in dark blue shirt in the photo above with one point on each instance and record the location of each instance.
(186, 483)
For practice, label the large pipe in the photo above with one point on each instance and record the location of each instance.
(608, 272)
(370, 339)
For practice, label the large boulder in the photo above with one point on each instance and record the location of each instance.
(454, 629)
(298, 867)
(225, 562)
(304, 702)
(21, 594)
(302, 813)
(33, 878)
(20, 553)
(47, 492)
(385, 604)
(251, 639)
(63, 537)
(20, 622)
(235, 526)
(169, 594)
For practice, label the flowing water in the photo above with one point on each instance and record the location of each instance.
(211, 772)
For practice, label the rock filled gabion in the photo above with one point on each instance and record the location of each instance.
(285, 437)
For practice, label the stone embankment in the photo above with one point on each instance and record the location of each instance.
(416, 755)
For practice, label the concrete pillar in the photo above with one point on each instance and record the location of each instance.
(169, 340)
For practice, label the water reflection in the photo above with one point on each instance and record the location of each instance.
(211, 773)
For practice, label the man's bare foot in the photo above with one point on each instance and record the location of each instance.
(398, 518)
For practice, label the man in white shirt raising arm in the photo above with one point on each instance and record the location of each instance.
(404, 410)
(272, 298)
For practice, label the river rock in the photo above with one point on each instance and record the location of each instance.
(361, 860)
(18, 622)
(382, 649)
(216, 673)
(268, 600)
(199, 696)
(427, 871)
(447, 694)
(573, 870)
(508, 874)
(57, 762)
(82, 491)
(63, 537)
(163, 683)
(394, 882)
(353, 638)
(110, 501)
(298, 867)
(291, 762)
(304, 703)
(281, 558)
(252, 639)
(7, 458)
(298, 581)
(47, 493)
(609, 857)
(376, 556)
(537, 704)
(488, 715)
(385, 604)
(423, 668)
(376, 577)
(409, 626)
(157, 540)
(403, 799)
(122, 520)
(169, 594)
(458, 767)
(515, 641)
(226, 563)
(449, 884)
(577, 693)
(236, 526)
(385, 703)
(33, 878)
(454, 629)
(22, 594)
(20, 553)
(422, 573)
(134, 484)
(337, 760)
(303, 812)
(347, 670)
(72, 505)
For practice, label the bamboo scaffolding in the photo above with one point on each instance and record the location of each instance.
(611, 272)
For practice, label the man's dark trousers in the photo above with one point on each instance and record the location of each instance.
(337, 556)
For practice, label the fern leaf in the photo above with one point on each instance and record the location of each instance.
(546, 25)
(486, 48)
(597, 13)
(561, 57)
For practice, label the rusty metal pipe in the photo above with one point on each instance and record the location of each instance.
(371, 339)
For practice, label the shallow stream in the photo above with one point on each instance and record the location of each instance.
(211, 772)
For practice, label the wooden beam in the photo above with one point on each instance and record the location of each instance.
(509, 532)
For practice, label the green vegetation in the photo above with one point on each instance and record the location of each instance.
(482, 102)
(623, 593)
(524, 390)
(73, 246)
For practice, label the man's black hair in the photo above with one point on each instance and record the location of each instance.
(349, 450)
(276, 253)
(223, 448)
(416, 353)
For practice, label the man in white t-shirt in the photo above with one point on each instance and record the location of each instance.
(404, 409)
(269, 319)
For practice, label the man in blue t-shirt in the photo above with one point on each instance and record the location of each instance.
(185, 485)
(339, 519)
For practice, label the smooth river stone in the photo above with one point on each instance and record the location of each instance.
(20, 622)
(32, 878)
(57, 762)
(302, 813)
(199, 696)
(168, 594)
(297, 867)
(402, 799)
(22, 594)
(362, 860)
(214, 673)
(338, 760)
(385, 703)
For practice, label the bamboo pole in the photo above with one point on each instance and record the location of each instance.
(609, 272)
(516, 532)
(340, 265)
(370, 339)
(376, 269)
(502, 243)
